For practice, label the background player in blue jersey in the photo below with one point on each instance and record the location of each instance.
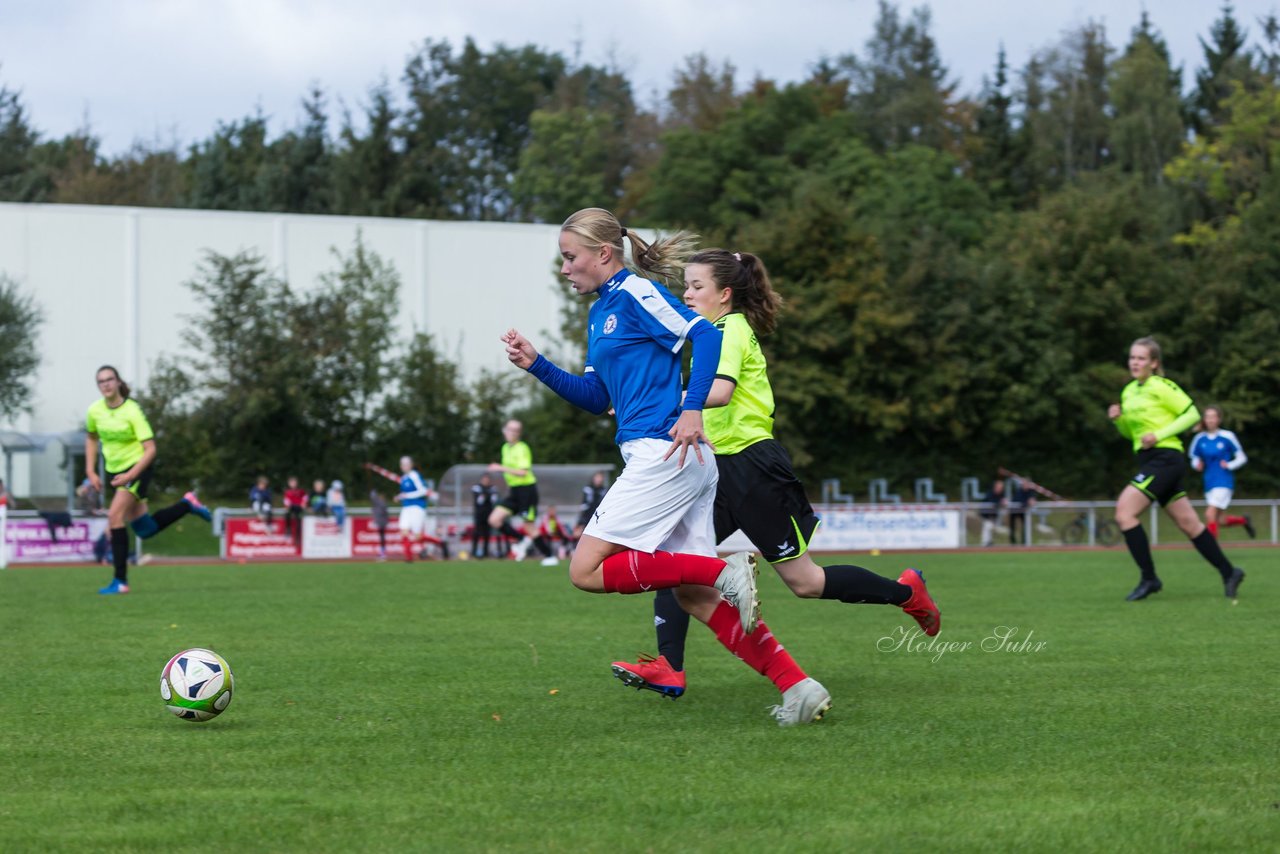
(1218, 453)
(654, 528)
(413, 508)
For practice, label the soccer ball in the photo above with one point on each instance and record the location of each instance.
(196, 684)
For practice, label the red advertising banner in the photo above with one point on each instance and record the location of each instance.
(364, 537)
(250, 538)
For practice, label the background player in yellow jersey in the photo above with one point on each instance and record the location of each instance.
(522, 489)
(1152, 412)
(115, 424)
(757, 491)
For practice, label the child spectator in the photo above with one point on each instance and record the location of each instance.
(317, 502)
(337, 501)
(260, 500)
(295, 504)
(552, 538)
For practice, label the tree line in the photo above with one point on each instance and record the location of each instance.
(963, 273)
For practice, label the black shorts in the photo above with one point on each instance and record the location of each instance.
(1160, 473)
(759, 493)
(138, 486)
(522, 501)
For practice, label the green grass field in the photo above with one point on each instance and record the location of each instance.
(469, 706)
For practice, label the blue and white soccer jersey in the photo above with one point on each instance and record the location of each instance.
(413, 504)
(1211, 450)
(656, 505)
(643, 381)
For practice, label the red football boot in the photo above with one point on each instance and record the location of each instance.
(655, 674)
(920, 605)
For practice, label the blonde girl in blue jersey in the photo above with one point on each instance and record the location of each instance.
(1152, 412)
(115, 424)
(758, 493)
(1217, 453)
(654, 527)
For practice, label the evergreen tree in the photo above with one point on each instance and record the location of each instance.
(900, 89)
(1146, 92)
(1226, 62)
(366, 169)
(20, 181)
(994, 151)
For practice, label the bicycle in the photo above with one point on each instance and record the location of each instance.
(1106, 532)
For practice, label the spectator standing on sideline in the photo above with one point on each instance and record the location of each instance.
(381, 519)
(1218, 454)
(1019, 503)
(260, 500)
(592, 494)
(484, 498)
(996, 503)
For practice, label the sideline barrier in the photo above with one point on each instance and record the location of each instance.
(29, 537)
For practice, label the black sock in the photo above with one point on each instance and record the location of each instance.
(510, 531)
(166, 517)
(1136, 539)
(672, 625)
(120, 553)
(1209, 549)
(859, 586)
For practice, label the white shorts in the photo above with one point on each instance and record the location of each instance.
(1219, 497)
(413, 519)
(654, 505)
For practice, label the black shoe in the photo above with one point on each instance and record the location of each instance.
(1232, 584)
(1144, 589)
(1249, 529)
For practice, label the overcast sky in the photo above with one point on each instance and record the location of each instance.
(171, 69)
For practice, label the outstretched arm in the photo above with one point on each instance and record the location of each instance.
(586, 392)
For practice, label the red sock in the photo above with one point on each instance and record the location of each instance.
(407, 544)
(760, 649)
(1228, 521)
(637, 572)
(1213, 527)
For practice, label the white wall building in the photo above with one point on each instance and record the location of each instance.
(111, 284)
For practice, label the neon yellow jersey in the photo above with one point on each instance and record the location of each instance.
(518, 456)
(1157, 406)
(748, 416)
(120, 431)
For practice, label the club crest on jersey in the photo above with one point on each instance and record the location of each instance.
(610, 323)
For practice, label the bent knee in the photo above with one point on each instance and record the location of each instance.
(806, 588)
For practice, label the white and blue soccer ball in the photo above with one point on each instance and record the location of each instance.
(196, 684)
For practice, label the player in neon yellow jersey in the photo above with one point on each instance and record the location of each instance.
(522, 485)
(757, 491)
(1152, 412)
(115, 424)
